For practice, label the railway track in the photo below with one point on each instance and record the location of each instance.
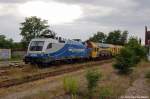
(34, 77)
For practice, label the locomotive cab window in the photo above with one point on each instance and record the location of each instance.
(49, 46)
(36, 45)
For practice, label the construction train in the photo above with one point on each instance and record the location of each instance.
(43, 51)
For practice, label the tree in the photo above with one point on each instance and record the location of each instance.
(100, 37)
(5, 43)
(18, 46)
(114, 37)
(117, 37)
(32, 27)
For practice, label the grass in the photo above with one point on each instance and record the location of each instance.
(114, 88)
(31, 70)
(40, 95)
(111, 84)
(105, 92)
(114, 85)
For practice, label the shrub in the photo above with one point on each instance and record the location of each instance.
(135, 46)
(125, 61)
(70, 85)
(129, 56)
(92, 77)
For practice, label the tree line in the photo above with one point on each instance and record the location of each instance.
(116, 37)
(9, 43)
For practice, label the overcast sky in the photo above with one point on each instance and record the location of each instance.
(77, 18)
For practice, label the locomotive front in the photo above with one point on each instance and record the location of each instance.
(36, 52)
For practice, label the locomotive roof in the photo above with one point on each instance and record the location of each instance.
(45, 39)
(56, 40)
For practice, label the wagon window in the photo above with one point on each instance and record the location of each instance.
(49, 46)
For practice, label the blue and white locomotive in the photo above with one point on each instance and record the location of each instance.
(47, 50)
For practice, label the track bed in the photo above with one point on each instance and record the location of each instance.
(23, 74)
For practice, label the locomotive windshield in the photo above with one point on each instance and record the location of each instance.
(36, 45)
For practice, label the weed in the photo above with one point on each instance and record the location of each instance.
(92, 77)
(70, 86)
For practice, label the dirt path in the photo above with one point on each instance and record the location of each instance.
(139, 88)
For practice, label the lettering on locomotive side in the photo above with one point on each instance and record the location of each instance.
(76, 50)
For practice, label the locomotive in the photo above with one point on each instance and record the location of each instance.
(47, 50)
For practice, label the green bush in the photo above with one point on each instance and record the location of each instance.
(129, 56)
(70, 85)
(125, 61)
(92, 77)
(134, 45)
